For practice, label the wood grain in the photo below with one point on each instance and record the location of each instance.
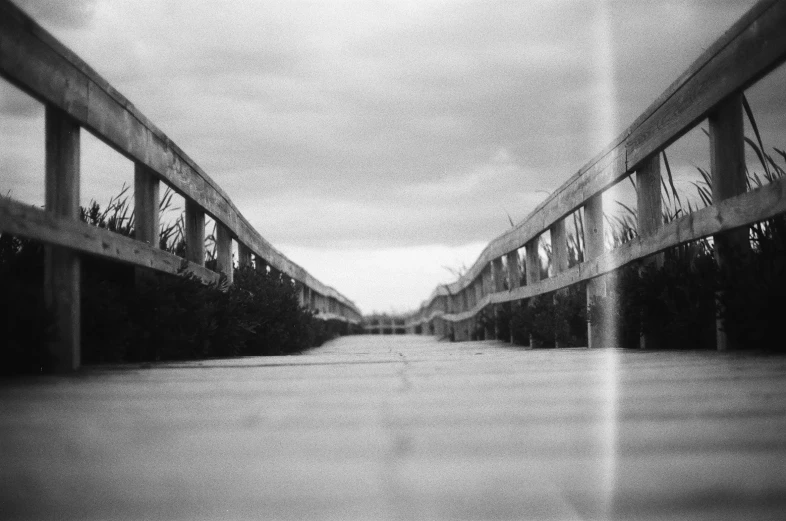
(195, 233)
(224, 251)
(62, 266)
(243, 254)
(533, 261)
(392, 428)
(146, 200)
(727, 168)
(559, 246)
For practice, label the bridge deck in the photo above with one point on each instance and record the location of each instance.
(403, 428)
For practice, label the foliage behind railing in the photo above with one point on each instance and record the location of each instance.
(76, 97)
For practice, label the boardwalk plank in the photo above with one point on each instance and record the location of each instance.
(402, 428)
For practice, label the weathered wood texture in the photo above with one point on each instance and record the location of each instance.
(195, 233)
(224, 251)
(532, 259)
(243, 254)
(727, 167)
(594, 248)
(559, 246)
(379, 428)
(62, 266)
(27, 221)
(649, 205)
(146, 200)
(749, 50)
(649, 218)
(33, 60)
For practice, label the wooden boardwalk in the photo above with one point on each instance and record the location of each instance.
(377, 427)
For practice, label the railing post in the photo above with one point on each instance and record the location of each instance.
(488, 289)
(61, 265)
(559, 246)
(477, 295)
(532, 260)
(650, 218)
(499, 286)
(593, 243)
(559, 259)
(224, 251)
(243, 255)
(463, 306)
(195, 233)
(514, 270)
(146, 200)
(727, 166)
(514, 281)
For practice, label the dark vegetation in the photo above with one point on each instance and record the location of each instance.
(162, 317)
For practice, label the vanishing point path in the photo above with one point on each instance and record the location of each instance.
(402, 427)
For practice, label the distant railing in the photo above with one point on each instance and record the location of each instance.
(75, 96)
(384, 325)
(711, 88)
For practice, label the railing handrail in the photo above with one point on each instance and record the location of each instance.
(37, 63)
(745, 53)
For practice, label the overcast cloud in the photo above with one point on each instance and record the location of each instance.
(350, 131)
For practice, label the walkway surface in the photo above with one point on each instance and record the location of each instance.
(402, 428)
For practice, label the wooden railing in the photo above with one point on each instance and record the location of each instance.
(384, 325)
(75, 96)
(711, 88)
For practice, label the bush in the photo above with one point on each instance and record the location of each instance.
(161, 317)
(558, 318)
(26, 326)
(182, 318)
(752, 291)
(677, 304)
(674, 305)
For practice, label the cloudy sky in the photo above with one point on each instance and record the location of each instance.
(375, 142)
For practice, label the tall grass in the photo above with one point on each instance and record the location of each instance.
(167, 317)
(677, 302)
(118, 216)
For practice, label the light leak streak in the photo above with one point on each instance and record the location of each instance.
(606, 116)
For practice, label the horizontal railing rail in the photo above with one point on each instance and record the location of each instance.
(76, 97)
(711, 88)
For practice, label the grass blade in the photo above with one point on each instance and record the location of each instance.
(755, 127)
(671, 179)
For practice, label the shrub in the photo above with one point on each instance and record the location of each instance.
(182, 318)
(132, 315)
(674, 305)
(558, 318)
(26, 326)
